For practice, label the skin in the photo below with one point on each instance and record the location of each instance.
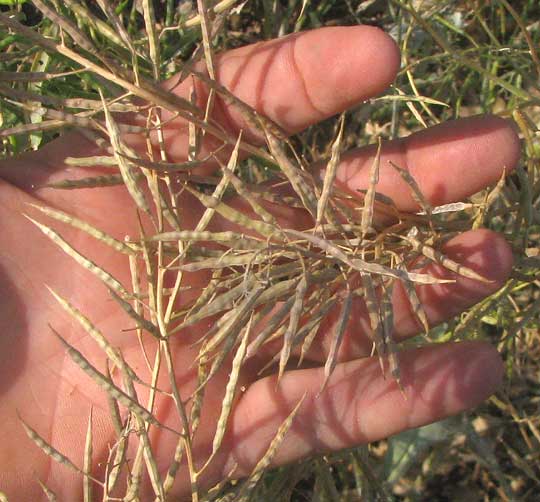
(296, 81)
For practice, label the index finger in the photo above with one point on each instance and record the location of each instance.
(295, 81)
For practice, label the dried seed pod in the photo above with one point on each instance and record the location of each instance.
(294, 319)
(89, 265)
(330, 174)
(443, 260)
(108, 385)
(266, 460)
(337, 337)
(369, 199)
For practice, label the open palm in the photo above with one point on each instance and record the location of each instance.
(296, 81)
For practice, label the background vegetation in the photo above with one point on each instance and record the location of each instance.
(467, 57)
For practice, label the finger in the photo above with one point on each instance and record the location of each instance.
(359, 405)
(296, 81)
(299, 79)
(483, 251)
(449, 162)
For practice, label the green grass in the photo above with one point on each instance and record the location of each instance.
(475, 57)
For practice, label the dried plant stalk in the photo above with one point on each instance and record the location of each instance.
(51, 496)
(87, 463)
(260, 265)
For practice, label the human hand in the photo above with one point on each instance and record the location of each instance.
(296, 81)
